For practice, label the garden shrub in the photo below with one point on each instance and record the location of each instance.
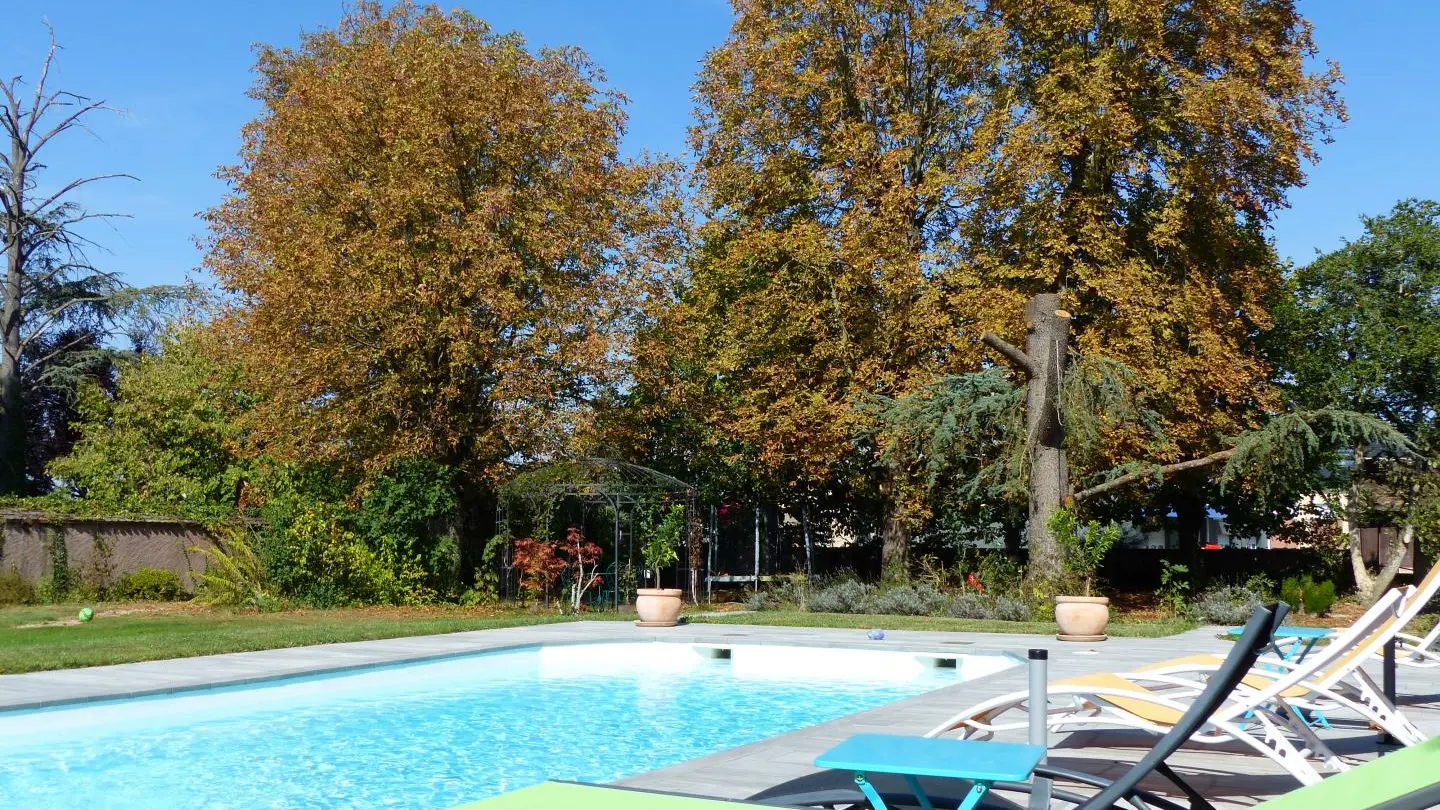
(319, 561)
(1319, 599)
(234, 574)
(1315, 598)
(410, 507)
(992, 572)
(149, 584)
(1176, 585)
(969, 606)
(16, 589)
(1261, 585)
(1001, 574)
(1012, 610)
(917, 599)
(761, 600)
(1228, 604)
(985, 606)
(842, 596)
(1038, 595)
(486, 590)
(787, 592)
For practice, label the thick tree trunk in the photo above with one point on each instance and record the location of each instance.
(1371, 586)
(12, 401)
(1364, 582)
(12, 422)
(1368, 586)
(1047, 343)
(894, 539)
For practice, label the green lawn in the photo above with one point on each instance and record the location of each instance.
(796, 618)
(152, 632)
(47, 637)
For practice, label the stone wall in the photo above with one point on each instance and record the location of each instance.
(101, 550)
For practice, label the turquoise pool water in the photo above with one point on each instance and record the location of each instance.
(429, 736)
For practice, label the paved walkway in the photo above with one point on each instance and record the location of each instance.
(1236, 778)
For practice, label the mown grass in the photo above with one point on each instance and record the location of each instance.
(33, 638)
(47, 637)
(1153, 628)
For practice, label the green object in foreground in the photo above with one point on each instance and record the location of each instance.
(1392, 776)
(86, 614)
(1387, 778)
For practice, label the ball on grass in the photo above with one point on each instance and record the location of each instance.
(86, 614)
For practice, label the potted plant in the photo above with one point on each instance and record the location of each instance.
(660, 607)
(1083, 618)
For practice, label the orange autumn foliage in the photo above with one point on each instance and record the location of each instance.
(432, 240)
(889, 179)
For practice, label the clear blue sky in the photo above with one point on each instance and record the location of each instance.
(180, 69)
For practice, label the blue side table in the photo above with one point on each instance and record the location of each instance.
(1301, 640)
(982, 762)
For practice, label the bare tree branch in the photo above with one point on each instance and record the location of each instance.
(1154, 471)
(59, 350)
(53, 316)
(40, 83)
(38, 211)
(53, 301)
(1019, 359)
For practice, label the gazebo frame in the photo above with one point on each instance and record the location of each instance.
(619, 485)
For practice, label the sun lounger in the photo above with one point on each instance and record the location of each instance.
(920, 756)
(1413, 651)
(1257, 713)
(1345, 682)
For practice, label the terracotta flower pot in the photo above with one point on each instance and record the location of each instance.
(1082, 618)
(657, 607)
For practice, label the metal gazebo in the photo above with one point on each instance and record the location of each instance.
(624, 488)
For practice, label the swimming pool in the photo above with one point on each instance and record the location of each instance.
(432, 735)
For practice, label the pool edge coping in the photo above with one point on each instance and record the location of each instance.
(322, 670)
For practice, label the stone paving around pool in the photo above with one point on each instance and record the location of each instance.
(1229, 776)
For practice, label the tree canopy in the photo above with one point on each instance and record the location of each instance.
(432, 237)
(1363, 325)
(171, 439)
(889, 180)
(1361, 330)
(939, 262)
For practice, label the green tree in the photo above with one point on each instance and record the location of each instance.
(1362, 331)
(170, 439)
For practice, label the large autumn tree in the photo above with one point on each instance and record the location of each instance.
(1143, 147)
(432, 238)
(833, 149)
(893, 179)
